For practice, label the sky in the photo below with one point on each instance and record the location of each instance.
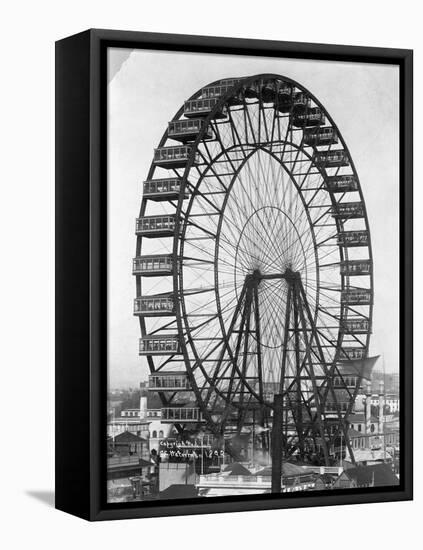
(145, 90)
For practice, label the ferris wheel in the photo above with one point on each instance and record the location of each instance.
(253, 264)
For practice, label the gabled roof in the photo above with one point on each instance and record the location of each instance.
(288, 469)
(326, 478)
(128, 437)
(237, 469)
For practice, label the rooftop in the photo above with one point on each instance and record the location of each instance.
(128, 437)
(368, 455)
(179, 491)
(237, 469)
(288, 469)
(130, 420)
(377, 475)
(360, 417)
(355, 433)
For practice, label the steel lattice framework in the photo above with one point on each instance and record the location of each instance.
(253, 264)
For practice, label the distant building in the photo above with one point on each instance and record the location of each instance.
(153, 414)
(368, 457)
(130, 413)
(378, 475)
(390, 381)
(144, 421)
(358, 423)
(127, 478)
(294, 478)
(128, 444)
(368, 433)
(358, 439)
(128, 421)
(324, 482)
(128, 468)
(391, 400)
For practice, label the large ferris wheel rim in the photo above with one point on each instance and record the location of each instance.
(244, 81)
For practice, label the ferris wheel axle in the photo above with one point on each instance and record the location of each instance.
(258, 276)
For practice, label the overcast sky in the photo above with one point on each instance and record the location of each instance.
(146, 88)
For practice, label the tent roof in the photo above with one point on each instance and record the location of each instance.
(237, 469)
(361, 368)
(288, 469)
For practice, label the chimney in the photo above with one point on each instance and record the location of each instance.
(381, 406)
(368, 407)
(143, 407)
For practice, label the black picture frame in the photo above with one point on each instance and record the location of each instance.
(81, 275)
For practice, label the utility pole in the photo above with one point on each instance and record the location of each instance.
(277, 443)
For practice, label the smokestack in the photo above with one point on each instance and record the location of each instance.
(143, 407)
(381, 406)
(368, 415)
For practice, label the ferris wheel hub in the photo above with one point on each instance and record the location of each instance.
(256, 276)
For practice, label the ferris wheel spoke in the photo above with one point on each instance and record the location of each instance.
(272, 134)
(236, 139)
(249, 128)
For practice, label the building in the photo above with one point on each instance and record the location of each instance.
(144, 421)
(128, 468)
(127, 478)
(369, 434)
(377, 475)
(324, 482)
(390, 381)
(358, 439)
(368, 457)
(128, 421)
(392, 402)
(128, 444)
(358, 423)
(157, 429)
(225, 483)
